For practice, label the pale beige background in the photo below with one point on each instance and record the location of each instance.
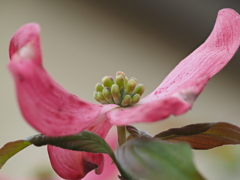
(82, 41)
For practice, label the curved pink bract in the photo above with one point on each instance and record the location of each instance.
(159, 108)
(74, 165)
(206, 60)
(176, 94)
(45, 104)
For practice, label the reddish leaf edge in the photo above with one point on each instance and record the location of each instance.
(134, 132)
(203, 136)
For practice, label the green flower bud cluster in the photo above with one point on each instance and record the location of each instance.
(123, 92)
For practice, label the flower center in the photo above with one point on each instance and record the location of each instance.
(123, 92)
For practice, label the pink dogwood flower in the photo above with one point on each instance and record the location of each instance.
(53, 111)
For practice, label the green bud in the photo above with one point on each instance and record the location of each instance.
(115, 93)
(99, 97)
(133, 78)
(120, 73)
(99, 87)
(125, 81)
(107, 81)
(120, 81)
(107, 95)
(139, 89)
(95, 95)
(126, 100)
(131, 85)
(135, 99)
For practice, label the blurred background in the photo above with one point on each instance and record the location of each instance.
(82, 41)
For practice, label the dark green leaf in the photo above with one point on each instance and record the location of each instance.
(135, 132)
(204, 135)
(154, 159)
(10, 149)
(85, 141)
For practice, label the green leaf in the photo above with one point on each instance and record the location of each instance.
(135, 132)
(203, 136)
(154, 159)
(10, 149)
(85, 141)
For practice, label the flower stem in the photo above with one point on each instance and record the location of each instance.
(121, 134)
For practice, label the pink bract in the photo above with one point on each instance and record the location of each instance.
(55, 112)
(74, 165)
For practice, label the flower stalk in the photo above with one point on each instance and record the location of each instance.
(121, 135)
